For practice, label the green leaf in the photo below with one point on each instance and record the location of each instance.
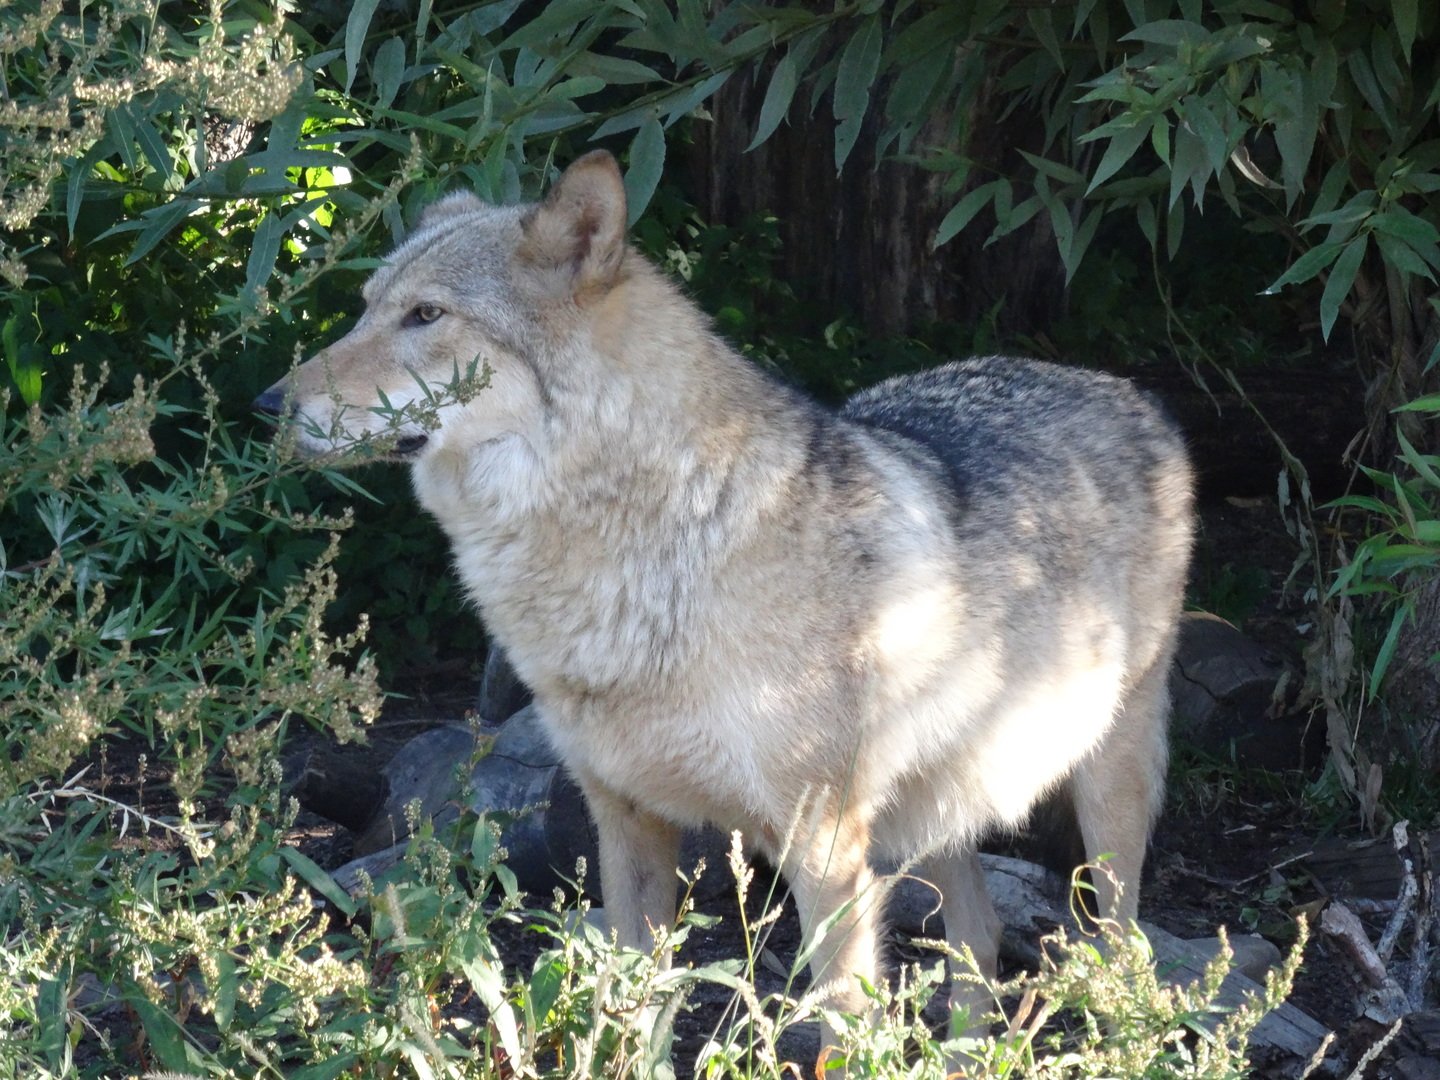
(962, 212)
(1205, 124)
(1361, 502)
(151, 144)
(1054, 169)
(916, 84)
(1121, 149)
(79, 172)
(580, 86)
(163, 1033)
(1042, 25)
(1073, 252)
(1386, 651)
(1342, 277)
(387, 69)
(1386, 61)
(846, 132)
(422, 25)
(357, 25)
(685, 101)
(1428, 403)
(263, 251)
(859, 63)
(1145, 217)
(1402, 256)
(615, 70)
(1296, 127)
(1423, 464)
(1173, 32)
(1359, 206)
(223, 994)
(318, 879)
(647, 162)
(853, 78)
(778, 96)
(1363, 76)
(155, 225)
(1174, 230)
(328, 1069)
(1190, 165)
(557, 19)
(1305, 267)
(546, 983)
(491, 16)
(27, 375)
(122, 134)
(1414, 230)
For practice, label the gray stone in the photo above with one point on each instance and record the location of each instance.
(546, 828)
(427, 769)
(502, 694)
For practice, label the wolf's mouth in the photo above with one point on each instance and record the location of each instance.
(407, 445)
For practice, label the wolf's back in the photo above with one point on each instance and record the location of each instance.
(1011, 432)
(1002, 419)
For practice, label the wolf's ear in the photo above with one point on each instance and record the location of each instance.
(580, 227)
(452, 205)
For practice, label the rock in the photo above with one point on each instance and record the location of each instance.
(424, 769)
(502, 694)
(1223, 686)
(547, 828)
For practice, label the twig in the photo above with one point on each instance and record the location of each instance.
(1387, 999)
(1345, 927)
(1421, 957)
(1275, 867)
(1408, 891)
(1239, 883)
(1364, 905)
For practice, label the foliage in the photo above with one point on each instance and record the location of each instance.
(229, 969)
(1402, 552)
(189, 198)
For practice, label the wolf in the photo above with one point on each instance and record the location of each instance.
(877, 633)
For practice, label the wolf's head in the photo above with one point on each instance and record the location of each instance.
(475, 289)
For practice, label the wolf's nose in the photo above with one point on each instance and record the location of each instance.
(270, 403)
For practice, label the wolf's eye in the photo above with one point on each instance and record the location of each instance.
(421, 314)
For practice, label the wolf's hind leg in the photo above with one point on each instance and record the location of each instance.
(1118, 791)
(970, 919)
(638, 855)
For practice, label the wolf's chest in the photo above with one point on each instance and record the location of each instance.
(688, 767)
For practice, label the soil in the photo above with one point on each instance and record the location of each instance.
(1220, 855)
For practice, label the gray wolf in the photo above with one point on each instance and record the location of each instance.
(873, 634)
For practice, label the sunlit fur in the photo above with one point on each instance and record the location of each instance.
(877, 633)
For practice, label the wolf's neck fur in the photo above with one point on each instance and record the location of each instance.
(590, 544)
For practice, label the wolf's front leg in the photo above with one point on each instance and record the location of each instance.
(638, 856)
(836, 897)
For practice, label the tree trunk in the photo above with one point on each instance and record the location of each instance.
(862, 239)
